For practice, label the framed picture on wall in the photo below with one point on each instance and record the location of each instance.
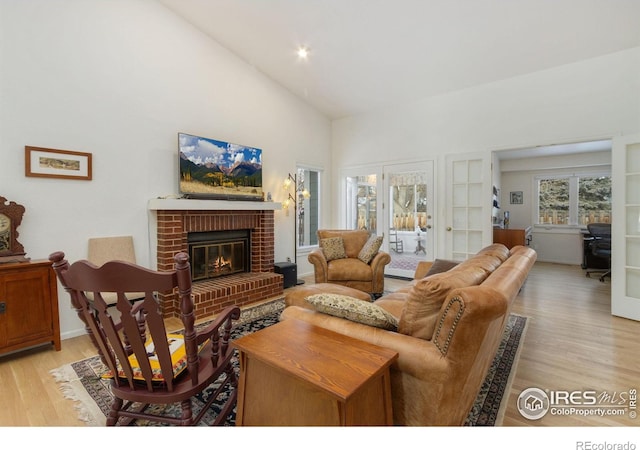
(51, 163)
(516, 197)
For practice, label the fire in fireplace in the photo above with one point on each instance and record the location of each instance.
(218, 253)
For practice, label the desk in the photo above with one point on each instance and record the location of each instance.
(295, 373)
(511, 237)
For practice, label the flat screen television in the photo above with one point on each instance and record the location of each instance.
(212, 169)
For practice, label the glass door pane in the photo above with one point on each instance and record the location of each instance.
(625, 262)
(408, 216)
(469, 202)
(362, 203)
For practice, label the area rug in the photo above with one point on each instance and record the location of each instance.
(405, 261)
(81, 381)
(491, 404)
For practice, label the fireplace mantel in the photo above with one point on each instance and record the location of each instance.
(184, 204)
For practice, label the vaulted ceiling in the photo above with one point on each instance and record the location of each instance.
(366, 54)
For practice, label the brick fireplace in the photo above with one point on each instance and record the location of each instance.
(176, 218)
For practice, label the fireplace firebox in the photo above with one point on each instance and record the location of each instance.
(219, 253)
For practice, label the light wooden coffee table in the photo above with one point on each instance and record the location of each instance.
(295, 373)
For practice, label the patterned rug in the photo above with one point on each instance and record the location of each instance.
(405, 261)
(82, 383)
(489, 407)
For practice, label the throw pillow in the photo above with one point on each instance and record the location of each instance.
(441, 265)
(370, 249)
(353, 309)
(333, 248)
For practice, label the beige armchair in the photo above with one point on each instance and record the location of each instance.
(357, 263)
(113, 248)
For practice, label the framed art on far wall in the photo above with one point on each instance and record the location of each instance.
(50, 163)
(515, 198)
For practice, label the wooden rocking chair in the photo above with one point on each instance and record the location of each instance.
(148, 366)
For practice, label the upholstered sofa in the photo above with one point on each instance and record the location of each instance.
(446, 328)
(350, 258)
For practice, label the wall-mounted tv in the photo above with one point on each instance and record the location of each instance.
(211, 169)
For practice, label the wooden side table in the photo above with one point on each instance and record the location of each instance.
(294, 373)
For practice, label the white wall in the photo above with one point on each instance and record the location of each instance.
(594, 99)
(577, 102)
(119, 79)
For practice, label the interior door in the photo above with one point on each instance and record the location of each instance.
(408, 207)
(468, 204)
(625, 227)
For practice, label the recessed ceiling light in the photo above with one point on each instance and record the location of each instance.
(303, 53)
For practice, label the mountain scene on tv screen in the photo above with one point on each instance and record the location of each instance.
(219, 169)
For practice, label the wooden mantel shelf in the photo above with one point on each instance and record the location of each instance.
(178, 204)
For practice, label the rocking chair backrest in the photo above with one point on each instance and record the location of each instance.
(139, 331)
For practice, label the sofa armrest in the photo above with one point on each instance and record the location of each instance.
(422, 269)
(416, 357)
(320, 268)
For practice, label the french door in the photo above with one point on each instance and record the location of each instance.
(625, 251)
(468, 204)
(408, 206)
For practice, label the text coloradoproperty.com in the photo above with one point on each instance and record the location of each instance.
(573, 410)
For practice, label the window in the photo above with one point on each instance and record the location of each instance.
(594, 200)
(308, 201)
(574, 200)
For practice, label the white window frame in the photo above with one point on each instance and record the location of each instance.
(574, 184)
(317, 200)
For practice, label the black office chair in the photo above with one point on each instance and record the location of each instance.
(600, 246)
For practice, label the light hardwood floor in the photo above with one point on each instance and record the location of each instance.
(572, 343)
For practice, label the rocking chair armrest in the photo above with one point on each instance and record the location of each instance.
(228, 314)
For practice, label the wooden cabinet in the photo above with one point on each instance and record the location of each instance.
(28, 306)
(512, 237)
